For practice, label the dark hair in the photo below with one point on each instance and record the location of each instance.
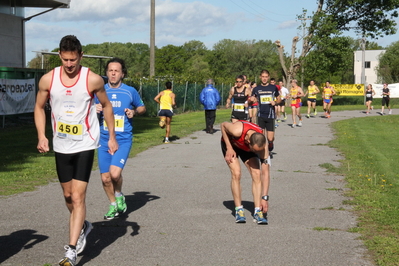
(70, 43)
(265, 71)
(240, 77)
(117, 60)
(168, 85)
(257, 139)
(272, 79)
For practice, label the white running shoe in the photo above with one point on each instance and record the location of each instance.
(390, 112)
(293, 126)
(80, 246)
(70, 257)
(300, 123)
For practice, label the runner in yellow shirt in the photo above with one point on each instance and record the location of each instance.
(328, 93)
(313, 90)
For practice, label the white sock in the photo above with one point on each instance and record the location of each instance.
(118, 194)
(257, 209)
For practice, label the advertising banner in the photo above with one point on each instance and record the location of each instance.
(17, 96)
(348, 89)
(393, 90)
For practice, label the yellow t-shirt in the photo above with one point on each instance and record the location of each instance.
(166, 100)
(311, 90)
(327, 93)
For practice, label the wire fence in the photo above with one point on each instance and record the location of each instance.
(187, 95)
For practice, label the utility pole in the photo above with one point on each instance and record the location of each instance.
(152, 39)
(363, 74)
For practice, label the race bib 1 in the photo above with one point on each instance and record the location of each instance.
(119, 123)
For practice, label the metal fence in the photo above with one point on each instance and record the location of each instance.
(187, 95)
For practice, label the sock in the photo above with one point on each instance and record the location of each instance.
(239, 207)
(113, 203)
(166, 138)
(72, 247)
(118, 194)
(257, 209)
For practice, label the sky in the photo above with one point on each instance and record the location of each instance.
(177, 22)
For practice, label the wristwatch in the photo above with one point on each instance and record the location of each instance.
(265, 197)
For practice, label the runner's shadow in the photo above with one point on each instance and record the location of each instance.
(106, 233)
(248, 205)
(18, 241)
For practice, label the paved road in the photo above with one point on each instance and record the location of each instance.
(180, 210)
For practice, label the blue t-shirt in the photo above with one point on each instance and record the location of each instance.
(120, 98)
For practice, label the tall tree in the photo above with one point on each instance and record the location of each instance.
(370, 18)
(388, 68)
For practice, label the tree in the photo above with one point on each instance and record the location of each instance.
(388, 68)
(370, 18)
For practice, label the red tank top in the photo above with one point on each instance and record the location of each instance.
(240, 141)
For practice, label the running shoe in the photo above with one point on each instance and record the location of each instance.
(166, 141)
(240, 216)
(271, 146)
(112, 212)
(70, 257)
(80, 246)
(121, 204)
(315, 113)
(328, 116)
(278, 120)
(162, 123)
(285, 117)
(259, 219)
(308, 115)
(300, 123)
(276, 125)
(390, 112)
(293, 126)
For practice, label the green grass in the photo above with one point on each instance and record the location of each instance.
(370, 148)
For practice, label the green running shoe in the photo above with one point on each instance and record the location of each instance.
(112, 212)
(121, 203)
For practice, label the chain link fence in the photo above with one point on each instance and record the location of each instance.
(187, 95)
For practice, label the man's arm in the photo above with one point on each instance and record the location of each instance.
(173, 96)
(39, 113)
(158, 96)
(228, 101)
(233, 130)
(96, 85)
(265, 177)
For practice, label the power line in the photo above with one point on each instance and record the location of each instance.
(259, 15)
(288, 15)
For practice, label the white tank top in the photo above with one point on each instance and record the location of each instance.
(73, 114)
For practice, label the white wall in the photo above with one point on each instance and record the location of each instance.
(12, 41)
(370, 73)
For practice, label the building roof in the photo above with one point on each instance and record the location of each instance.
(39, 3)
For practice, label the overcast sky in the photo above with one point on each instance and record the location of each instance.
(177, 22)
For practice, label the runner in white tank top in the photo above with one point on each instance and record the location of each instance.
(75, 134)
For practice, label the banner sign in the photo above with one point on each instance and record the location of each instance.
(393, 90)
(348, 89)
(17, 96)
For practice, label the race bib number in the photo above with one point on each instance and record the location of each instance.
(69, 130)
(119, 123)
(265, 99)
(239, 107)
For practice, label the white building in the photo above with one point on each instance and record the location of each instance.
(370, 63)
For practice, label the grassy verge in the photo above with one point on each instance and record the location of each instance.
(371, 151)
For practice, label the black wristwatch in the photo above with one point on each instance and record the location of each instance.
(265, 197)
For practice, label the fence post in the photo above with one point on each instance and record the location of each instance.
(185, 96)
(195, 96)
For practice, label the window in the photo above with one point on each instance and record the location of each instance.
(367, 64)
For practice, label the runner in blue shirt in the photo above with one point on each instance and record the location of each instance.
(126, 103)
